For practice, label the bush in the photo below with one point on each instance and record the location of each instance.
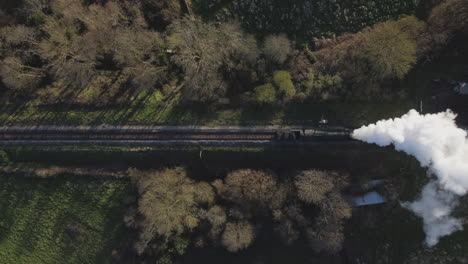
(36, 19)
(283, 82)
(321, 85)
(265, 94)
(311, 56)
(4, 158)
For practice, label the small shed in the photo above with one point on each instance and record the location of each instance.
(461, 88)
(370, 198)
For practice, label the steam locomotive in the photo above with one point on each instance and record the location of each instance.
(24, 134)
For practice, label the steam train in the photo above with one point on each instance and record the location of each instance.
(24, 134)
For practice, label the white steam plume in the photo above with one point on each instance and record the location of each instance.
(437, 143)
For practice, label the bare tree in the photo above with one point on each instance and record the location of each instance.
(72, 54)
(19, 41)
(328, 238)
(137, 52)
(448, 19)
(327, 234)
(204, 193)
(200, 50)
(18, 76)
(277, 48)
(168, 203)
(335, 207)
(238, 236)
(287, 230)
(313, 185)
(216, 215)
(83, 40)
(34, 7)
(161, 13)
(250, 187)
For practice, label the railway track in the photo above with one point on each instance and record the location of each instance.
(138, 136)
(165, 135)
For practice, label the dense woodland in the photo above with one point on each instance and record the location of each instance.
(100, 53)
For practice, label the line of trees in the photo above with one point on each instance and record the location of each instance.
(104, 52)
(230, 212)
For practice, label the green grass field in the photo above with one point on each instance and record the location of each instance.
(60, 220)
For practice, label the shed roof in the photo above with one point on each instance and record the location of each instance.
(369, 198)
(462, 88)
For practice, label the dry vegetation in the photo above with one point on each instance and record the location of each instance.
(110, 52)
(238, 236)
(230, 212)
(169, 203)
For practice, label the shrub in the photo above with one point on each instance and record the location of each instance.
(4, 158)
(320, 85)
(311, 56)
(36, 19)
(155, 98)
(283, 82)
(265, 94)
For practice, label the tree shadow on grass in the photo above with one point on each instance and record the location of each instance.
(193, 114)
(12, 111)
(261, 114)
(119, 239)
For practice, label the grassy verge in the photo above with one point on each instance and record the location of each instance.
(168, 113)
(60, 220)
(418, 85)
(213, 162)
